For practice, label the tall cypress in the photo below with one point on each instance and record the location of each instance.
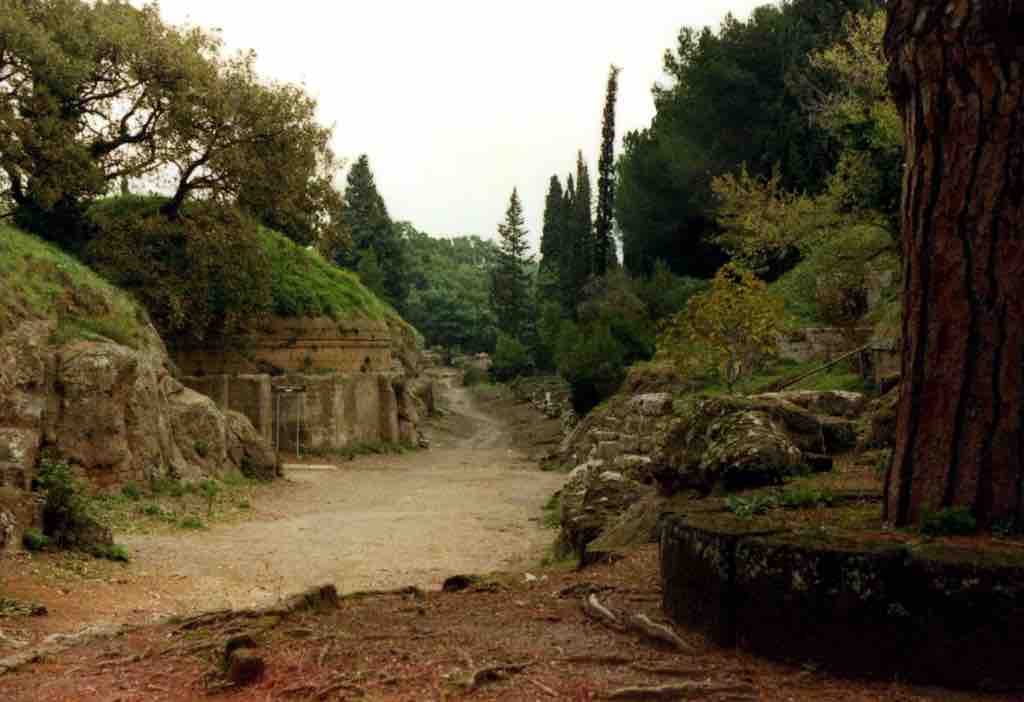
(552, 241)
(581, 231)
(604, 247)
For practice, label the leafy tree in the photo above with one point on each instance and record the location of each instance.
(365, 218)
(449, 300)
(604, 245)
(733, 97)
(728, 330)
(510, 278)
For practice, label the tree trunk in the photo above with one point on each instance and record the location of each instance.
(956, 72)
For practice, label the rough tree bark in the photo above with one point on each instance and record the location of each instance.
(956, 72)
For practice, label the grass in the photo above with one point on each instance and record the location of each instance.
(175, 504)
(367, 448)
(840, 377)
(39, 281)
(553, 512)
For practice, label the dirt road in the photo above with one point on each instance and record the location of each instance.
(471, 504)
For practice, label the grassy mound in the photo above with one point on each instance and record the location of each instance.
(39, 281)
(207, 276)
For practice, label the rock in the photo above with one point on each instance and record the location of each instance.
(7, 530)
(745, 450)
(819, 463)
(882, 423)
(653, 405)
(115, 413)
(635, 468)
(591, 499)
(245, 667)
(246, 449)
(839, 434)
(608, 450)
(832, 403)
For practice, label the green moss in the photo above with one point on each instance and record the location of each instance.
(39, 281)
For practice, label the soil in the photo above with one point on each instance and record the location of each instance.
(472, 504)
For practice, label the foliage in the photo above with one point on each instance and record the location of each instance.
(66, 508)
(751, 506)
(510, 277)
(364, 216)
(604, 244)
(449, 302)
(191, 523)
(35, 540)
(201, 275)
(371, 274)
(578, 243)
(38, 281)
(612, 301)
(951, 521)
(665, 293)
(729, 330)
(592, 361)
(511, 359)
(473, 376)
(734, 96)
(102, 93)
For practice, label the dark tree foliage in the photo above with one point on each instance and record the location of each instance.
(449, 302)
(552, 242)
(365, 216)
(604, 245)
(733, 97)
(510, 277)
(578, 249)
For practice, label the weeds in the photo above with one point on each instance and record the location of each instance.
(192, 523)
(952, 521)
(553, 512)
(35, 540)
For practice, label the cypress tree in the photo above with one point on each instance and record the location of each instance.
(510, 279)
(552, 242)
(580, 244)
(604, 247)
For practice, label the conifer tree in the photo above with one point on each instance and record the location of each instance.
(604, 247)
(552, 242)
(579, 249)
(510, 279)
(365, 217)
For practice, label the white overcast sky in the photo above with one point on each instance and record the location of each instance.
(458, 101)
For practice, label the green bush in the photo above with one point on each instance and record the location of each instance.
(511, 359)
(473, 376)
(113, 552)
(592, 361)
(35, 540)
(65, 510)
(952, 521)
(132, 491)
(192, 522)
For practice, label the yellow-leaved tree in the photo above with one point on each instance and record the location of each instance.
(729, 330)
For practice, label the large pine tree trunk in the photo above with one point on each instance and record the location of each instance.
(956, 70)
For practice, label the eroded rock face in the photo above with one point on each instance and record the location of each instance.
(114, 413)
(593, 497)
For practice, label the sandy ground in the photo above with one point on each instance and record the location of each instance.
(470, 504)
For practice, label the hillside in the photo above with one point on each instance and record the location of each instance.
(38, 281)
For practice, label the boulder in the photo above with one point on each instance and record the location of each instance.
(592, 498)
(882, 421)
(746, 450)
(653, 404)
(830, 403)
(246, 449)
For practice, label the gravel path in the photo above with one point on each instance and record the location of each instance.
(470, 505)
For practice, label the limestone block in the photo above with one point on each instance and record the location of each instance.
(653, 405)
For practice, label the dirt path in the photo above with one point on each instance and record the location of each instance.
(471, 504)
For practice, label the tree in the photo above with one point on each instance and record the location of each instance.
(552, 241)
(579, 242)
(365, 217)
(729, 329)
(956, 75)
(510, 279)
(604, 245)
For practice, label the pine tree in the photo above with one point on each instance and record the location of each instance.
(365, 217)
(604, 246)
(510, 279)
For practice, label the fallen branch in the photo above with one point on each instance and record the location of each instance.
(598, 660)
(593, 608)
(683, 691)
(643, 625)
(670, 672)
(542, 687)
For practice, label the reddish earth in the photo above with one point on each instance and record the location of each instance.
(524, 637)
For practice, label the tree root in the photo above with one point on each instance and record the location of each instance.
(492, 673)
(683, 691)
(638, 623)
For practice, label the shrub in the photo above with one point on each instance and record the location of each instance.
(35, 540)
(473, 376)
(511, 359)
(730, 330)
(65, 510)
(132, 491)
(209, 489)
(192, 522)
(754, 505)
(952, 521)
(201, 448)
(592, 361)
(113, 552)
